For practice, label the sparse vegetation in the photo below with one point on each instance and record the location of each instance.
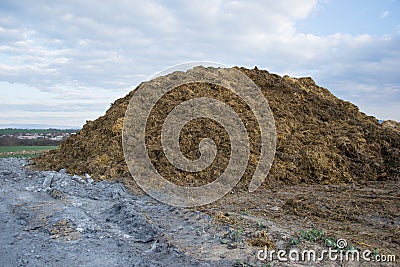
(314, 235)
(236, 234)
(23, 151)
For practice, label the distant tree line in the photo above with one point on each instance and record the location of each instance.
(12, 141)
(33, 131)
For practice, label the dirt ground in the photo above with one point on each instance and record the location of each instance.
(52, 218)
(335, 173)
(366, 215)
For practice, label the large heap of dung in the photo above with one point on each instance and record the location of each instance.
(320, 138)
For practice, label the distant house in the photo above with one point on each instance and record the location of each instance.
(27, 137)
(57, 138)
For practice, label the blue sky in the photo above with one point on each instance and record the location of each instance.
(373, 17)
(65, 62)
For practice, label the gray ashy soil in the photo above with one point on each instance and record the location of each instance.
(51, 218)
(54, 219)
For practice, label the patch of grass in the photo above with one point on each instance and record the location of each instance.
(245, 212)
(236, 235)
(315, 235)
(24, 148)
(294, 241)
(23, 151)
(261, 225)
(376, 252)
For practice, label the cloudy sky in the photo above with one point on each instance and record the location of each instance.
(64, 62)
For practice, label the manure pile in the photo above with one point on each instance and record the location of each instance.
(320, 138)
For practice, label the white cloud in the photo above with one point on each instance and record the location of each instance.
(99, 47)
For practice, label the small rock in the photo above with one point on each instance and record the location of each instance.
(57, 176)
(232, 246)
(30, 188)
(153, 247)
(55, 193)
(5, 173)
(78, 179)
(47, 181)
(77, 204)
(89, 178)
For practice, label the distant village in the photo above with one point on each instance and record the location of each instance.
(12, 137)
(52, 136)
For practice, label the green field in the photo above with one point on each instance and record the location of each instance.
(23, 151)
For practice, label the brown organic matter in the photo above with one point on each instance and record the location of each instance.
(320, 138)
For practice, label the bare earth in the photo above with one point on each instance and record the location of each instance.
(54, 219)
